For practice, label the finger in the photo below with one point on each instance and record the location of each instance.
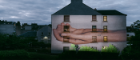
(73, 41)
(66, 34)
(56, 34)
(58, 26)
(62, 26)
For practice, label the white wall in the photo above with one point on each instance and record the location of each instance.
(114, 22)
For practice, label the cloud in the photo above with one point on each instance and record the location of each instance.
(39, 11)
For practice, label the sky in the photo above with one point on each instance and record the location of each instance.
(39, 11)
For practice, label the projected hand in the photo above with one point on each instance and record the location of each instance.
(80, 36)
(57, 33)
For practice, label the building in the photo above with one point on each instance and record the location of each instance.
(44, 34)
(7, 27)
(104, 27)
(29, 34)
(18, 28)
(33, 27)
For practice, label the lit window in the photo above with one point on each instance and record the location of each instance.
(105, 28)
(65, 48)
(93, 17)
(105, 38)
(14, 24)
(105, 18)
(66, 39)
(94, 28)
(66, 28)
(94, 39)
(104, 47)
(45, 37)
(66, 18)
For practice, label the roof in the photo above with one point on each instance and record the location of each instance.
(110, 12)
(76, 7)
(43, 27)
(29, 34)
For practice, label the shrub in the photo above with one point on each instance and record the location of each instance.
(14, 54)
(110, 49)
(86, 48)
(72, 47)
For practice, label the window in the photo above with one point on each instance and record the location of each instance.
(93, 28)
(94, 48)
(105, 38)
(66, 39)
(65, 48)
(66, 28)
(105, 18)
(93, 17)
(94, 38)
(127, 34)
(66, 18)
(104, 47)
(105, 28)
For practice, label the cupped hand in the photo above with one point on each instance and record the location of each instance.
(71, 40)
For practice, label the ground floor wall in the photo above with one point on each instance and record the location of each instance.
(59, 48)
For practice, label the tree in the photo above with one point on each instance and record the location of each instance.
(50, 25)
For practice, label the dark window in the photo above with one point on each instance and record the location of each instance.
(94, 38)
(94, 28)
(42, 34)
(94, 48)
(66, 18)
(93, 17)
(66, 39)
(65, 48)
(66, 28)
(127, 34)
(105, 38)
(105, 28)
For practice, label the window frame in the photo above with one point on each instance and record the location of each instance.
(68, 28)
(66, 40)
(95, 40)
(66, 17)
(104, 39)
(65, 48)
(104, 29)
(94, 28)
(104, 19)
(94, 18)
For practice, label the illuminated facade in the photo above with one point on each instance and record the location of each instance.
(85, 26)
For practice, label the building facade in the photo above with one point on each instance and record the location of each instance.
(7, 27)
(98, 28)
(44, 34)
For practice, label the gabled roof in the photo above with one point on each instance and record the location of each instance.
(76, 9)
(29, 34)
(110, 12)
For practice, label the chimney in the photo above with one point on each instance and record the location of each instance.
(76, 1)
(95, 9)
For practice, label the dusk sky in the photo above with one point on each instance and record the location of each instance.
(39, 11)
